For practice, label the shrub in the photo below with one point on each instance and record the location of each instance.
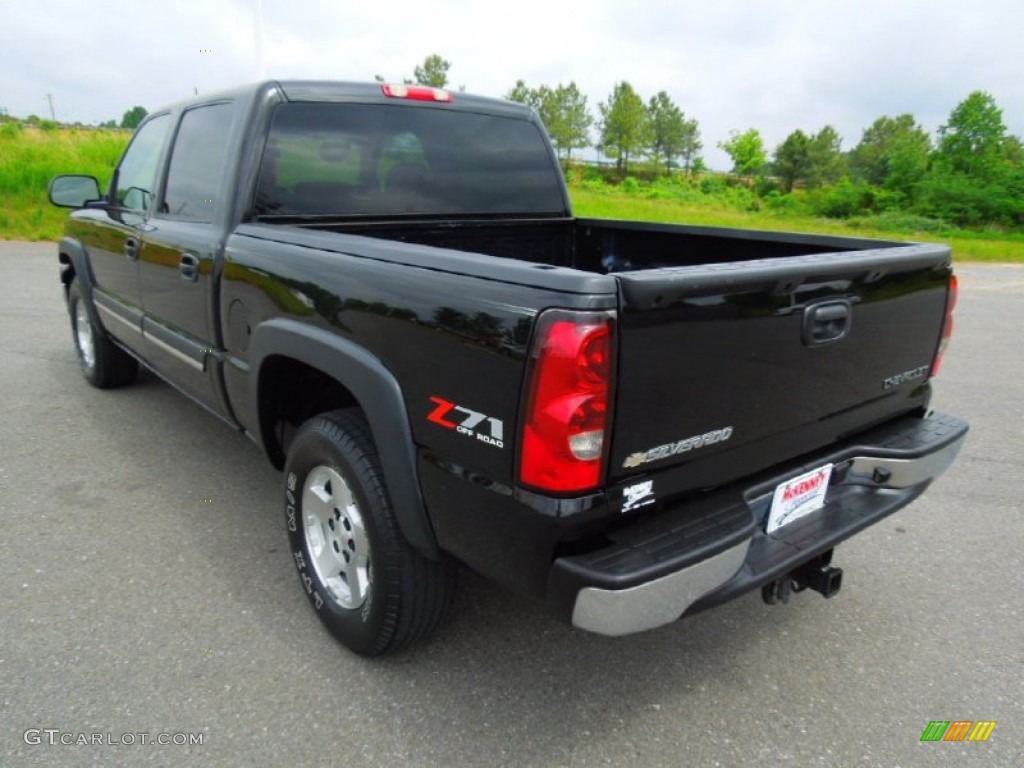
(713, 184)
(11, 130)
(969, 202)
(842, 200)
(781, 203)
(902, 221)
(594, 185)
(765, 185)
(630, 185)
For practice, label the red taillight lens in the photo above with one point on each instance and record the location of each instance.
(416, 93)
(947, 324)
(567, 409)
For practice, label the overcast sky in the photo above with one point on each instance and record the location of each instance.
(774, 65)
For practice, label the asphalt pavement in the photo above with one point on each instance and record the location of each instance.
(147, 594)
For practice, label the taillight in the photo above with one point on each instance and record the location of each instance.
(947, 323)
(565, 429)
(416, 93)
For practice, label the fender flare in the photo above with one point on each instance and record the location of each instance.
(78, 260)
(74, 252)
(378, 394)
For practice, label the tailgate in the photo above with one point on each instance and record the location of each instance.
(730, 368)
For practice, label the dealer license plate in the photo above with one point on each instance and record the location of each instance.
(799, 497)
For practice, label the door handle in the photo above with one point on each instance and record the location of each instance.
(131, 248)
(189, 267)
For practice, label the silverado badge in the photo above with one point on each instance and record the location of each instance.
(682, 446)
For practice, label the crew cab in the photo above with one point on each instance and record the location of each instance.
(386, 289)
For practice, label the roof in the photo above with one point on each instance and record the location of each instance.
(328, 91)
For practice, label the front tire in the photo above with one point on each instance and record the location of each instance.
(104, 364)
(369, 587)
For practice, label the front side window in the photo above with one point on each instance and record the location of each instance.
(197, 163)
(136, 175)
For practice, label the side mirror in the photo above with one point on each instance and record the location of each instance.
(74, 191)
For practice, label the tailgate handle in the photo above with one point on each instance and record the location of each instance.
(827, 322)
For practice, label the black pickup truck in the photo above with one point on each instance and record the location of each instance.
(385, 288)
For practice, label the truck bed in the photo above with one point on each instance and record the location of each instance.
(596, 245)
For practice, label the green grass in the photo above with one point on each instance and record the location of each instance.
(616, 204)
(30, 157)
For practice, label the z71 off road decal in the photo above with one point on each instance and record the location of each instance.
(468, 422)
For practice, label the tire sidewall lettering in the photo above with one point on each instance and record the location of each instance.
(329, 611)
(364, 611)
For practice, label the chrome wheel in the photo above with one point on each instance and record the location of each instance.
(336, 537)
(84, 336)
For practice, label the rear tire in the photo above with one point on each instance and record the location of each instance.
(104, 364)
(369, 587)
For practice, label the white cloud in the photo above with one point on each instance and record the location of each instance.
(775, 65)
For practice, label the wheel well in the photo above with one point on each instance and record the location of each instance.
(291, 393)
(67, 271)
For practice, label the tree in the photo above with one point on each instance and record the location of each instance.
(546, 106)
(892, 153)
(976, 177)
(815, 160)
(792, 159)
(523, 94)
(541, 99)
(545, 102)
(562, 109)
(825, 161)
(1013, 149)
(746, 150)
(690, 145)
(572, 127)
(433, 72)
(667, 127)
(623, 125)
(133, 117)
(973, 142)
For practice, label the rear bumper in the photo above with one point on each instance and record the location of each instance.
(712, 548)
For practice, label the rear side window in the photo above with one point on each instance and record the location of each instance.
(197, 163)
(136, 175)
(359, 159)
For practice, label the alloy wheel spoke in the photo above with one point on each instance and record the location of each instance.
(336, 538)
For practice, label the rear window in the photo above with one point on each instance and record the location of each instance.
(379, 159)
